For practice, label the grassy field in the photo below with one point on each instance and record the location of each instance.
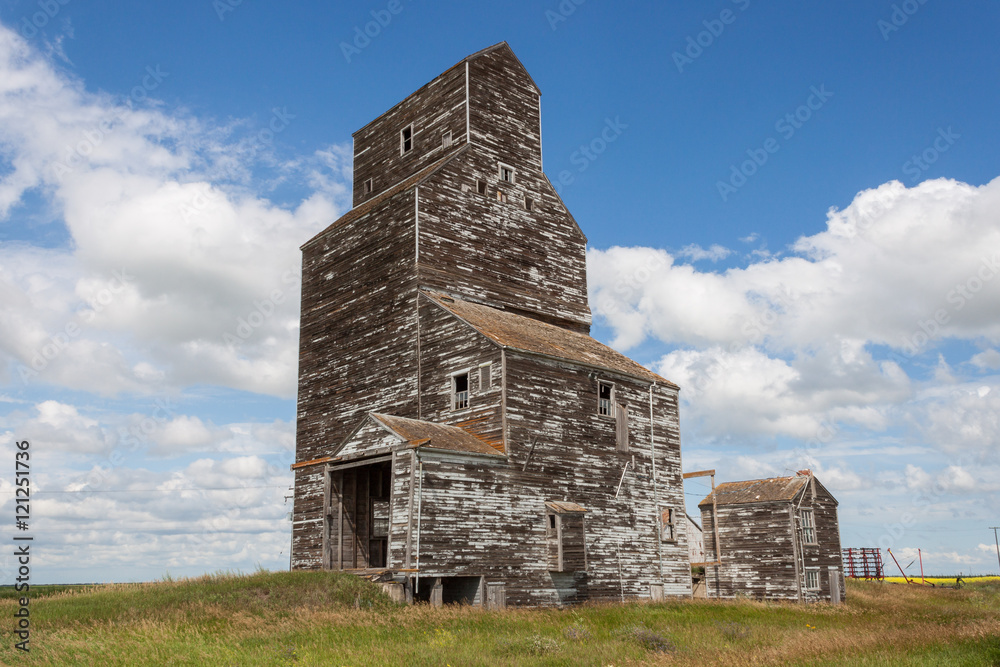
(330, 619)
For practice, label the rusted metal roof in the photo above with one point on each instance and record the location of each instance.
(561, 507)
(406, 184)
(435, 436)
(525, 334)
(775, 489)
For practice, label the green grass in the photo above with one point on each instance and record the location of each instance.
(331, 619)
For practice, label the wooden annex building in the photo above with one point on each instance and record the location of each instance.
(779, 537)
(459, 431)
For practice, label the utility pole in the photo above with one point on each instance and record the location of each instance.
(995, 540)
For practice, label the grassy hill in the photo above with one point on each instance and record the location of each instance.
(331, 619)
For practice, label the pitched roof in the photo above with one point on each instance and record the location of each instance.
(405, 184)
(775, 489)
(525, 334)
(435, 436)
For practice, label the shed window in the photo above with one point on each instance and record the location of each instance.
(406, 139)
(812, 579)
(506, 173)
(667, 527)
(368, 187)
(621, 427)
(808, 527)
(446, 139)
(481, 187)
(604, 399)
(501, 197)
(460, 391)
(485, 377)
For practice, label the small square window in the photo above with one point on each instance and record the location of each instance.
(506, 174)
(446, 139)
(406, 139)
(501, 197)
(812, 580)
(460, 391)
(485, 379)
(604, 399)
(368, 187)
(529, 204)
(481, 187)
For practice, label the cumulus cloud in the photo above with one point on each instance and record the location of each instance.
(177, 273)
(696, 253)
(986, 360)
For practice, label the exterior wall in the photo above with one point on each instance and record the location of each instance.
(827, 552)
(530, 262)
(448, 346)
(758, 553)
(505, 110)
(575, 460)
(357, 344)
(434, 109)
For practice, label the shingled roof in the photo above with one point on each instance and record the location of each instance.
(775, 489)
(435, 436)
(524, 334)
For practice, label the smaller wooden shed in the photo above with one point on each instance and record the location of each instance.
(779, 537)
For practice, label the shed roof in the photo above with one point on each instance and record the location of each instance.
(775, 489)
(564, 507)
(435, 436)
(525, 334)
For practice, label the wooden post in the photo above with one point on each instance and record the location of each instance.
(437, 593)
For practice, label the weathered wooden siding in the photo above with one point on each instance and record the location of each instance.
(575, 459)
(758, 557)
(827, 553)
(763, 553)
(449, 346)
(530, 262)
(357, 343)
(505, 110)
(436, 108)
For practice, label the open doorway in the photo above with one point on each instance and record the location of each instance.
(357, 518)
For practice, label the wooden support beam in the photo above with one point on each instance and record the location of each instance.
(698, 473)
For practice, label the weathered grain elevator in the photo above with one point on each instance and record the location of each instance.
(459, 431)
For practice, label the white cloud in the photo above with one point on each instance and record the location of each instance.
(696, 253)
(987, 360)
(171, 251)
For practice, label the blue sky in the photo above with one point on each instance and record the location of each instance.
(193, 148)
